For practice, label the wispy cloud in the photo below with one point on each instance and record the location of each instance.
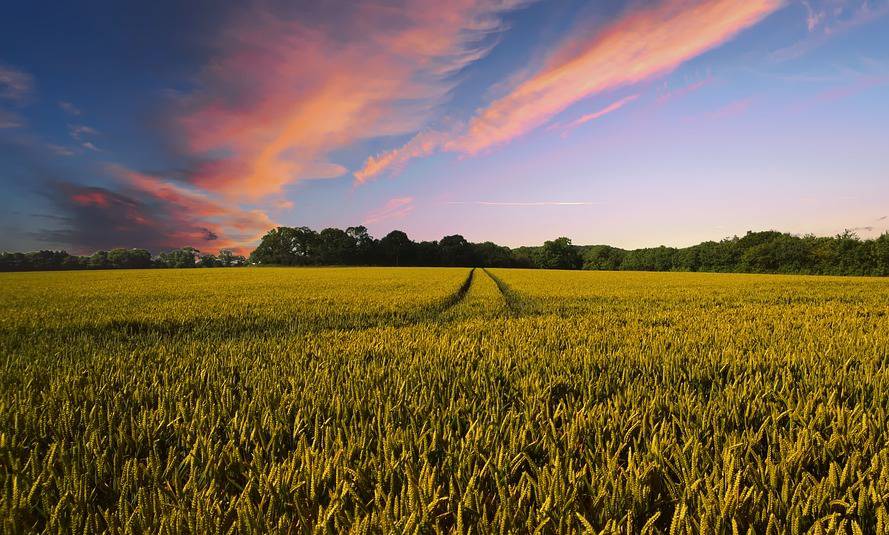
(833, 16)
(16, 88)
(732, 109)
(422, 144)
(283, 93)
(15, 85)
(80, 133)
(395, 208)
(828, 18)
(667, 93)
(60, 150)
(283, 204)
(69, 108)
(643, 43)
(614, 106)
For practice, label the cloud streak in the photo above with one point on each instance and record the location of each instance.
(423, 144)
(527, 204)
(150, 212)
(283, 93)
(643, 43)
(15, 85)
(69, 108)
(828, 18)
(396, 208)
(583, 119)
(16, 88)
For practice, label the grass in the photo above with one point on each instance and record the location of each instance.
(431, 400)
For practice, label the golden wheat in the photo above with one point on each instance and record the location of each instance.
(433, 400)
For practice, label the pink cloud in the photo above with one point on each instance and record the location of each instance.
(85, 198)
(642, 44)
(423, 144)
(614, 106)
(283, 204)
(396, 208)
(645, 42)
(669, 94)
(196, 213)
(283, 93)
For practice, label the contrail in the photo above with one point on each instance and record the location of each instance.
(537, 203)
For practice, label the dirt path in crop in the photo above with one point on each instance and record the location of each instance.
(515, 304)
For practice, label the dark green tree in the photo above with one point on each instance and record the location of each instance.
(287, 246)
(336, 247)
(559, 254)
(396, 248)
(603, 257)
(129, 258)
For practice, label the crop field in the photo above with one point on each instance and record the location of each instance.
(425, 400)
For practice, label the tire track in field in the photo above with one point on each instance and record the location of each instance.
(236, 326)
(455, 298)
(515, 304)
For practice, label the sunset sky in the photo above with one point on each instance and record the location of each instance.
(166, 124)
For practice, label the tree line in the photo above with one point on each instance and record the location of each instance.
(755, 252)
(302, 246)
(120, 258)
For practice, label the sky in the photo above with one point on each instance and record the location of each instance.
(633, 123)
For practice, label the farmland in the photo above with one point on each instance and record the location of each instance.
(443, 399)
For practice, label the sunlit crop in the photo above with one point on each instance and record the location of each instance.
(430, 400)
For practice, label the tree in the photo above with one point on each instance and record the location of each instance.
(185, 257)
(782, 253)
(99, 260)
(208, 260)
(287, 246)
(603, 257)
(456, 251)
(489, 254)
(762, 252)
(227, 258)
(427, 253)
(396, 248)
(364, 245)
(560, 254)
(129, 258)
(881, 255)
(336, 246)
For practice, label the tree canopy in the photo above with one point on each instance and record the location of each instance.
(755, 252)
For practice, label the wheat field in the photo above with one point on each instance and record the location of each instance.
(427, 400)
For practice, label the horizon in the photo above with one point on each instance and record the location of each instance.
(156, 252)
(627, 124)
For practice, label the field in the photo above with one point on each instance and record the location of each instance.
(429, 400)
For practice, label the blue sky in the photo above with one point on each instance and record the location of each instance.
(628, 123)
